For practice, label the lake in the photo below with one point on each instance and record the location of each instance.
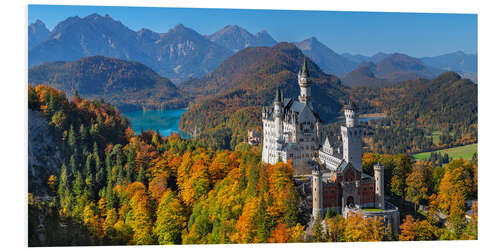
(360, 119)
(166, 121)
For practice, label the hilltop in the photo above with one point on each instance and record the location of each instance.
(126, 84)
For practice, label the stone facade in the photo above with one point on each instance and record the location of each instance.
(291, 128)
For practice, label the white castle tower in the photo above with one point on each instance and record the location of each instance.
(277, 114)
(317, 191)
(352, 137)
(305, 84)
(379, 186)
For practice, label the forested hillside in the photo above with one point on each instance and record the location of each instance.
(232, 96)
(114, 187)
(126, 84)
(421, 114)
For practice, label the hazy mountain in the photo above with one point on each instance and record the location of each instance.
(393, 68)
(363, 75)
(233, 95)
(78, 37)
(37, 33)
(236, 38)
(460, 62)
(357, 58)
(126, 84)
(378, 57)
(177, 54)
(329, 61)
(183, 53)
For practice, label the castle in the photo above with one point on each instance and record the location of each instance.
(291, 127)
(291, 132)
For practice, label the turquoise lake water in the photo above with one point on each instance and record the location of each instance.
(362, 119)
(166, 121)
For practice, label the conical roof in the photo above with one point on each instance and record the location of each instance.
(304, 72)
(277, 97)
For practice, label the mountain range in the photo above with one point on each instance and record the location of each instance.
(177, 54)
(182, 53)
(236, 38)
(393, 68)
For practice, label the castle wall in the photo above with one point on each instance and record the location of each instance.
(352, 145)
(367, 194)
(331, 195)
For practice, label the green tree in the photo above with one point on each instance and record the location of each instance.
(317, 230)
(170, 220)
(71, 137)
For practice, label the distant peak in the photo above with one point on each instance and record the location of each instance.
(180, 26)
(39, 22)
(93, 16)
(145, 30)
(232, 27)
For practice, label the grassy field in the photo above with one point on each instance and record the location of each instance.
(372, 209)
(464, 152)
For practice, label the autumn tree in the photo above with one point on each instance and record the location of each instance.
(412, 229)
(170, 220)
(363, 229)
(336, 227)
(317, 230)
(417, 183)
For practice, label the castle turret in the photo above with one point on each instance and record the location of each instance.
(350, 115)
(378, 170)
(317, 191)
(304, 84)
(352, 137)
(278, 110)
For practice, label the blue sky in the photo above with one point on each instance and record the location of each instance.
(366, 33)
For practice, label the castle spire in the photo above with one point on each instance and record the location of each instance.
(304, 84)
(277, 97)
(304, 72)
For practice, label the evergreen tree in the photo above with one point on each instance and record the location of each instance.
(51, 106)
(71, 137)
(78, 184)
(73, 164)
(63, 186)
(83, 134)
(317, 229)
(141, 177)
(328, 214)
(130, 164)
(263, 231)
(88, 165)
(33, 99)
